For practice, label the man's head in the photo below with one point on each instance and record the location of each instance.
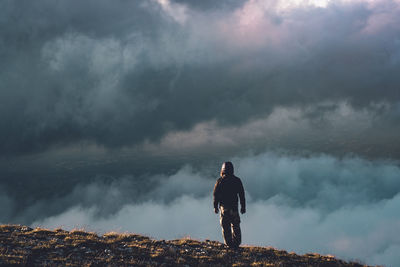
(227, 169)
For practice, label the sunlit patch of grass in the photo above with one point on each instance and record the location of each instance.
(41, 231)
(82, 233)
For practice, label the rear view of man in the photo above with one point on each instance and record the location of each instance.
(226, 191)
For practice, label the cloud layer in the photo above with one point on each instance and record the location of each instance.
(346, 207)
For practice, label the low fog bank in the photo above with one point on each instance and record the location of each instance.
(362, 233)
(346, 207)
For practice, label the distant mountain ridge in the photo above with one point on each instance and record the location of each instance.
(24, 246)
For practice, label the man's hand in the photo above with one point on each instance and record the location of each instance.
(216, 210)
(242, 210)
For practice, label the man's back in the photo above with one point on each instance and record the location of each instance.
(226, 191)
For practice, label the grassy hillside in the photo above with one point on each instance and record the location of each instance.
(21, 245)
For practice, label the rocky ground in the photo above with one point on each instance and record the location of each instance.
(23, 246)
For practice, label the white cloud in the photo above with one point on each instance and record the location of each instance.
(176, 11)
(335, 126)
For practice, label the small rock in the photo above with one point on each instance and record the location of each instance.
(172, 250)
(26, 229)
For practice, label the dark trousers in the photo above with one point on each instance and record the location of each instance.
(230, 222)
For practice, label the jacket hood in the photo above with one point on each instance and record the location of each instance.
(227, 168)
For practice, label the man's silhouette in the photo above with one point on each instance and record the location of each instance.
(226, 191)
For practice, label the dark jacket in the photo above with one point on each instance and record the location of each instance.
(227, 188)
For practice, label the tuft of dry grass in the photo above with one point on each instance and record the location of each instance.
(23, 246)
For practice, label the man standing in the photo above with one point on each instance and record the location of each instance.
(226, 191)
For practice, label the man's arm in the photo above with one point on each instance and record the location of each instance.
(216, 196)
(242, 198)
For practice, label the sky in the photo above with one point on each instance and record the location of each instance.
(117, 116)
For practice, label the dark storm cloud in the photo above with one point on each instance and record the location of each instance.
(122, 73)
(51, 106)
